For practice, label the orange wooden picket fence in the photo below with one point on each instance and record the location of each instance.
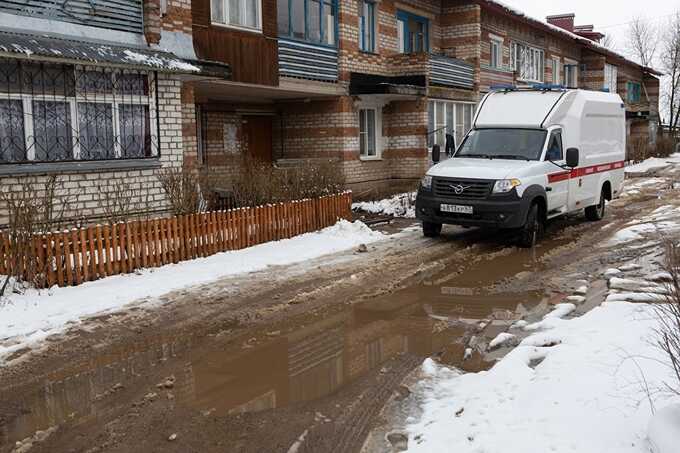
(72, 257)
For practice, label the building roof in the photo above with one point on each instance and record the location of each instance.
(50, 47)
(501, 7)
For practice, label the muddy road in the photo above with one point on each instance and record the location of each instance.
(301, 358)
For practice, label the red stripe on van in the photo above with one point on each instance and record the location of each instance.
(584, 171)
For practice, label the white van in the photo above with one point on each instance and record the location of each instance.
(531, 155)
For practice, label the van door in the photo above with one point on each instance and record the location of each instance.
(557, 189)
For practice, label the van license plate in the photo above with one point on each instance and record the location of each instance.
(456, 209)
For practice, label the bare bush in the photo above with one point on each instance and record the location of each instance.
(259, 183)
(668, 314)
(37, 207)
(121, 200)
(665, 146)
(187, 189)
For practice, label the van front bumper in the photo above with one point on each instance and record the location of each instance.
(496, 211)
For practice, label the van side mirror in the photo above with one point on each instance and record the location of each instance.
(436, 153)
(572, 157)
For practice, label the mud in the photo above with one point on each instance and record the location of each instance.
(301, 358)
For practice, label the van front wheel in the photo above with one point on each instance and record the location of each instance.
(532, 229)
(431, 230)
(596, 212)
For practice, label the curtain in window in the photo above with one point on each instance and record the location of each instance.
(297, 14)
(12, 146)
(217, 11)
(314, 21)
(282, 17)
(135, 140)
(329, 23)
(52, 129)
(96, 130)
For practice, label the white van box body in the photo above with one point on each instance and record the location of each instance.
(591, 121)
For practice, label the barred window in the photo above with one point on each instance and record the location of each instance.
(57, 112)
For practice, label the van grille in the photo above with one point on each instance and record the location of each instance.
(472, 188)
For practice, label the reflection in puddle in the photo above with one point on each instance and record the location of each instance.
(289, 363)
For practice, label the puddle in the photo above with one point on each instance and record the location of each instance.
(300, 360)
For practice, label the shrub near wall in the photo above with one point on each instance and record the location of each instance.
(72, 257)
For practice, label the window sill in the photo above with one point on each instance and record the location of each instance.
(370, 158)
(257, 31)
(78, 167)
(369, 52)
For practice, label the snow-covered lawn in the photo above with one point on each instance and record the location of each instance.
(30, 317)
(586, 391)
(400, 205)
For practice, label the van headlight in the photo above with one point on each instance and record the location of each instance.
(505, 185)
(426, 182)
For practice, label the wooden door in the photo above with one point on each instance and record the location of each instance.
(258, 131)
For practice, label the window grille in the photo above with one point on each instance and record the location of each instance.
(60, 112)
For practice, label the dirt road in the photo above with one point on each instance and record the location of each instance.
(304, 357)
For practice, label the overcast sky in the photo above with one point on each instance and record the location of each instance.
(608, 16)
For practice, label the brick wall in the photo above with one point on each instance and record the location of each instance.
(87, 190)
(177, 16)
(224, 141)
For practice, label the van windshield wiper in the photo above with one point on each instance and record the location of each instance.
(481, 156)
(512, 156)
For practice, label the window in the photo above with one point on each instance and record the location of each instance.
(633, 94)
(237, 13)
(571, 74)
(452, 118)
(52, 112)
(555, 66)
(496, 58)
(527, 62)
(554, 152)
(412, 33)
(367, 26)
(370, 132)
(308, 20)
(512, 144)
(610, 76)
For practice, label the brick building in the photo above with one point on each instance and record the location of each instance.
(370, 84)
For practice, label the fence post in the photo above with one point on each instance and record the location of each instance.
(130, 247)
(76, 255)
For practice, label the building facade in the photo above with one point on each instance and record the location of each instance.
(108, 97)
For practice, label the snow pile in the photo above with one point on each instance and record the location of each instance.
(653, 163)
(637, 232)
(401, 205)
(30, 317)
(664, 430)
(576, 388)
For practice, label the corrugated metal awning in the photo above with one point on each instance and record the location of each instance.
(42, 47)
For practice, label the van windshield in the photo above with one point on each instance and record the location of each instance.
(519, 144)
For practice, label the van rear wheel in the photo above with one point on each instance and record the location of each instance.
(431, 230)
(532, 229)
(596, 212)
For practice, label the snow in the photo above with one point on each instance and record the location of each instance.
(664, 430)
(28, 318)
(636, 232)
(653, 163)
(575, 388)
(501, 339)
(160, 62)
(401, 205)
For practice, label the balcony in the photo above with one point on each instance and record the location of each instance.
(439, 70)
(306, 60)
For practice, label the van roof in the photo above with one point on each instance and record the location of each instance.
(530, 108)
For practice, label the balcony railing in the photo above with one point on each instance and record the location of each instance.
(308, 61)
(451, 72)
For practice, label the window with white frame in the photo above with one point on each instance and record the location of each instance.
(570, 74)
(367, 25)
(237, 13)
(610, 77)
(555, 66)
(528, 62)
(496, 57)
(370, 132)
(448, 118)
(54, 112)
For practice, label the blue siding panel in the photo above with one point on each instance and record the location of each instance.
(450, 72)
(308, 61)
(122, 15)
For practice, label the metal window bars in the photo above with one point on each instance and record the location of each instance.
(61, 112)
